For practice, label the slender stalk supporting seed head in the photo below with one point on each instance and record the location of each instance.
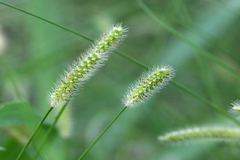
(86, 65)
(149, 83)
(196, 133)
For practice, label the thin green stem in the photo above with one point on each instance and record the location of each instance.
(34, 133)
(48, 21)
(203, 52)
(50, 130)
(197, 96)
(87, 150)
(132, 59)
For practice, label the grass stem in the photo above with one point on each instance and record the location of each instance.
(87, 150)
(34, 133)
(48, 21)
(50, 130)
(200, 98)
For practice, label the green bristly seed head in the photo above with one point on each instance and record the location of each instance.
(236, 105)
(154, 81)
(196, 133)
(86, 65)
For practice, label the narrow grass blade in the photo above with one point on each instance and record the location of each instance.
(48, 21)
(88, 149)
(50, 130)
(200, 50)
(34, 133)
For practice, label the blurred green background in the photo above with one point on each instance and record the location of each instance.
(34, 53)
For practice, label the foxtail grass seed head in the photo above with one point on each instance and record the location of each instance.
(234, 109)
(236, 105)
(149, 83)
(86, 65)
(201, 133)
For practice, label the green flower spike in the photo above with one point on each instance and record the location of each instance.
(149, 83)
(197, 133)
(86, 65)
(236, 105)
(235, 109)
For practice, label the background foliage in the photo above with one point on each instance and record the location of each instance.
(36, 53)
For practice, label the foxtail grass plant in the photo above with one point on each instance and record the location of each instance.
(86, 65)
(81, 70)
(202, 133)
(149, 83)
(50, 130)
(180, 86)
(199, 49)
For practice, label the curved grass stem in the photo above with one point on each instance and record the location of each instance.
(87, 150)
(200, 98)
(48, 21)
(34, 133)
(49, 131)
